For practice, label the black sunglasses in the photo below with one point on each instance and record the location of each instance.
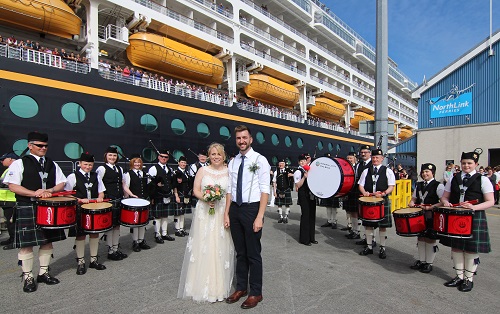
(41, 145)
(163, 156)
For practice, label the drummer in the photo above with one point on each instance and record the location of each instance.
(138, 184)
(468, 185)
(332, 205)
(427, 192)
(282, 190)
(88, 185)
(31, 177)
(183, 187)
(307, 204)
(352, 159)
(378, 181)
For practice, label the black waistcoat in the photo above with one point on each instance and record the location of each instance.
(166, 179)
(382, 184)
(138, 185)
(113, 181)
(31, 178)
(81, 190)
(473, 189)
(282, 182)
(185, 185)
(431, 189)
(304, 189)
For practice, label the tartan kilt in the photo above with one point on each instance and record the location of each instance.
(161, 210)
(117, 208)
(27, 233)
(350, 203)
(480, 241)
(181, 208)
(285, 201)
(328, 202)
(384, 223)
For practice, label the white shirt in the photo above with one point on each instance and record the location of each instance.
(253, 184)
(391, 179)
(486, 186)
(71, 182)
(16, 169)
(152, 171)
(439, 190)
(297, 175)
(126, 176)
(193, 169)
(101, 170)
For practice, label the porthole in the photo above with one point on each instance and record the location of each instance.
(275, 139)
(320, 145)
(274, 160)
(177, 154)
(225, 133)
(330, 147)
(203, 130)
(288, 141)
(338, 147)
(260, 137)
(288, 161)
(149, 154)
(19, 146)
(353, 149)
(73, 112)
(23, 106)
(73, 150)
(178, 126)
(300, 143)
(114, 118)
(149, 122)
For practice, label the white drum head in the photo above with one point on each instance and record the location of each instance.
(135, 202)
(324, 177)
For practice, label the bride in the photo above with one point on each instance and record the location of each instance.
(208, 267)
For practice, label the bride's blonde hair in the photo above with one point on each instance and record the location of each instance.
(219, 148)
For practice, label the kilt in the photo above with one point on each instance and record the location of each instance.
(350, 203)
(161, 210)
(329, 202)
(429, 232)
(480, 241)
(27, 233)
(384, 223)
(117, 209)
(285, 201)
(181, 208)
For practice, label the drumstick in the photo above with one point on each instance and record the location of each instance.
(63, 193)
(95, 201)
(473, 202)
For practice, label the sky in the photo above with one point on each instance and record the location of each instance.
(425, 36)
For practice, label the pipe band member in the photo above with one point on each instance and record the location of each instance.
(282, 189)
(183, 187)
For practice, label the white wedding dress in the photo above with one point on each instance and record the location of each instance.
(208, 267)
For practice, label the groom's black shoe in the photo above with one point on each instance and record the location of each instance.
(251, 301)
(236, 296)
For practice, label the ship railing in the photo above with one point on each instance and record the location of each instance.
(3, 50)
(274, 60)
(216, 8)
(185, 20)
(113, 31)
(323, 65)
(263, 110)
(326, 125)
(323, 82)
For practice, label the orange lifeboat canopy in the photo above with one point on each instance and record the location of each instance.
(272, 91)
(360, 116)
(160, 54)
(327, 109)
(404, 134)
(44, 16)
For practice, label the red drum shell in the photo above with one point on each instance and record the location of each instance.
(347, 177)
(134, 212)
(371, 209)
(96, 217)
(56, 212)
(453, 222)
(410, 222)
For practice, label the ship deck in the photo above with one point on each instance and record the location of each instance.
(326, 278)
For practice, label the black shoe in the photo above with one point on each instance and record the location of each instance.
(308, 243)
(346, 229)
(9, 247)
(327, 224)
(114, 256)
(417, 266)
(136, 247)
(29, 285)
(426, 268)
(121, 254)
(314, 242)
(95, 265)
(179, 233)
(158, 239)
(143, 245)
(466, 286)
(382, 253)
(47, 279)
(374, 244)
(280, 220)
(168, 238)
(366, 251)
(81, 269)
(285, 220)
(455, 282)
(353, 236)
(7, 242)
(184, 232)
(334, 225)
(361, 242)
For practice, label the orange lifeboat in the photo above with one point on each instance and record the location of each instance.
(272, 91)
(46, 16)
(327, 109)
(360, 116)
(404, 134)
(160, 54)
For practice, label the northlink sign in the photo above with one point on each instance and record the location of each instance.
(454, 103)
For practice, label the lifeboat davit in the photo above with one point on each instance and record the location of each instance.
(404, 134)
(272, 91)
(160, 54)
(360, 116)
(44, 16)
(327, 109)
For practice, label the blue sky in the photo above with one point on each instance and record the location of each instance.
(424, 35)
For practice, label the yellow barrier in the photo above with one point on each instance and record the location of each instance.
(401, 195)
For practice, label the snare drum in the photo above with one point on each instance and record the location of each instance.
(410, 222)
(56, 212)
(134, 212)
(371, 209)
(330, 177)
(96, 217)
(453, 222)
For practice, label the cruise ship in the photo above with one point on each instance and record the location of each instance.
(178, 75)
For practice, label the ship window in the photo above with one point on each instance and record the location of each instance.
(73, 150)
(274, 160)
(338, 147)
(330, 147)
(353, 149)
(73, 112)
(288, 141)
(178, 126)
(149, 154)
(300, 143)
(225, 133)
(23, 106)
(114, 118)
(260, 138)
(149, 122)
(275, 139)
(19, 146)
(320, 145)
(288, 161)
(177, 154)
(203, 130)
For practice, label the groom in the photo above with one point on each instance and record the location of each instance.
(246, 203)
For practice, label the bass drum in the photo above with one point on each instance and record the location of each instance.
(330, 177)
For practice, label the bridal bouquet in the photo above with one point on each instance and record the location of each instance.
(212, 193)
